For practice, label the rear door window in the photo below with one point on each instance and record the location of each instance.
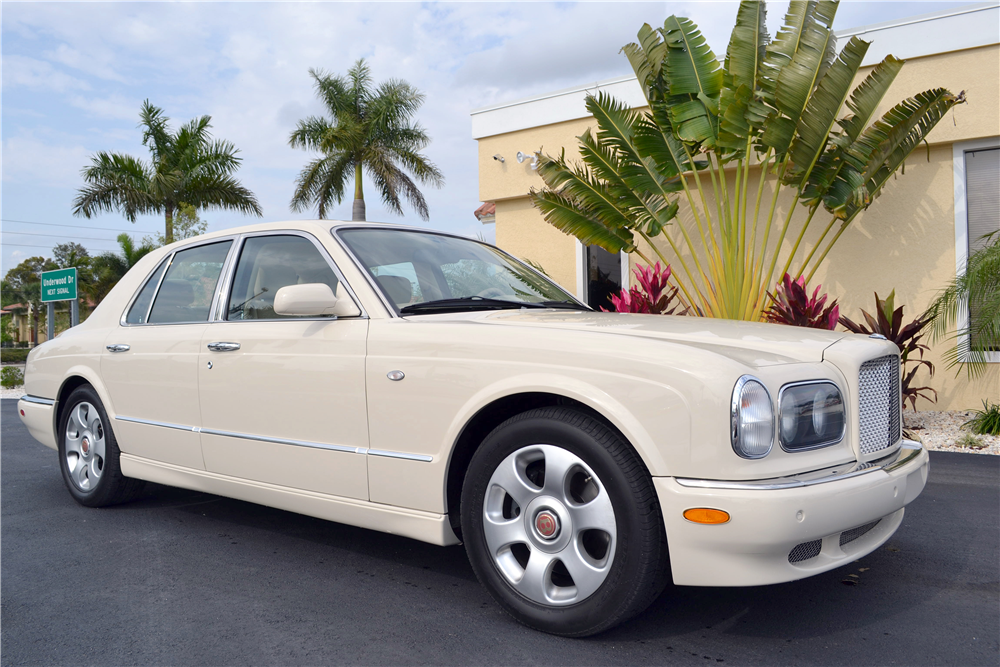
(187, 288)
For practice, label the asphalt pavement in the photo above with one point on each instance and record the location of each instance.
(185, 578)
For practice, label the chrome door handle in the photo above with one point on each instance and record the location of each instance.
(223, 347)
(118, 347)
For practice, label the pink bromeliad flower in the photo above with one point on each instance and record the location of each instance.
(652, 295)
(791, 304)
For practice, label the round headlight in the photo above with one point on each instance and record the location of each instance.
(751, 419)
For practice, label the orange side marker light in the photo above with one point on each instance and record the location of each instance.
(706, 516)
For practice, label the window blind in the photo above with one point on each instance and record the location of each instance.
(982, 180)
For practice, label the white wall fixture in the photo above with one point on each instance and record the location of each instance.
(521, 157)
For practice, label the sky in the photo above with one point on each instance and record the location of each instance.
(74, 76)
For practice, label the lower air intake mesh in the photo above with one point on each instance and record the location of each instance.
(805, 551)
(854, 533)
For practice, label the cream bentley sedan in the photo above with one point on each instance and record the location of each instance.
(434, 387)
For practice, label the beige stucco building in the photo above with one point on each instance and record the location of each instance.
(912, 239)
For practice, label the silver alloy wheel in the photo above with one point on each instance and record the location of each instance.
(85, 446)
(549, 525)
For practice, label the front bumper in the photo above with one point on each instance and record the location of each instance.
(36, 415)
(815, 515)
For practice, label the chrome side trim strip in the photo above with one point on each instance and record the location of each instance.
(283, 441)
(147, 422)
(36, 399)
(401, 455)
(904, 455)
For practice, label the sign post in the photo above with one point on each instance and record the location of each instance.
(59, 285)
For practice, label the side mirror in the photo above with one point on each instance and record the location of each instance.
(312, 299)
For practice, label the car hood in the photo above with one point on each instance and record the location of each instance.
(752, 343)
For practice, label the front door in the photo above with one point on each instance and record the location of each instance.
(283, 398)
(150, 362)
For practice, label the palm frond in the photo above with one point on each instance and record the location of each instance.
(116, 182)
(692, 70)
(881, 149)
(155, 133)
(646, 59)
(821, 111)
(975, 289)
(796, 80)
(561, 213)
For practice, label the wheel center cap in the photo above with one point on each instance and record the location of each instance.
(85, 446)
(547, 524)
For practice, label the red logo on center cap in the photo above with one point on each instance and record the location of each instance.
(85, 446)
(545, 523)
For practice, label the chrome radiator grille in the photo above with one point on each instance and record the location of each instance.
(879, 404)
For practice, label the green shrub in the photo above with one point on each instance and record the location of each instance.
(17, 355)
(970, 442)
(11, 376)
(985, 421)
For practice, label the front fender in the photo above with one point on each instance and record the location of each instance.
(664, 410)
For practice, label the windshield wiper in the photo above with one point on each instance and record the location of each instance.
(467, 303)
(483, 303)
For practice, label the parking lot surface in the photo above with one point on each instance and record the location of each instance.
(185, 578)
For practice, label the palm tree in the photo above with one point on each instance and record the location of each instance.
(717, 132)
(185, 167)
(110, 267)
(977, 289)
(370, 131)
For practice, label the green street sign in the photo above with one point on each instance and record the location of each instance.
(59, 285)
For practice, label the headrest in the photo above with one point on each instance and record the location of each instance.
(175, 292)
(399, 289)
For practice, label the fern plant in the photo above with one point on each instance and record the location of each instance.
(725, 140)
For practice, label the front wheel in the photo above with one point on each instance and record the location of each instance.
(89, 455)
(561, 523)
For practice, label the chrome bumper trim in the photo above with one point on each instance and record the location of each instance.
(37, 399)
(906, 453)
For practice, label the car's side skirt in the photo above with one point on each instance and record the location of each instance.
(419, 525)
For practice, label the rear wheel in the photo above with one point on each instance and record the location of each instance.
(561, 523)
(89, 455)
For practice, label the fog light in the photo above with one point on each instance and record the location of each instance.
(706, 515)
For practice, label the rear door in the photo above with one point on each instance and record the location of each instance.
(283, 398)
(150, 362)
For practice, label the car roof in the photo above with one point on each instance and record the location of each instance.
(315, 226)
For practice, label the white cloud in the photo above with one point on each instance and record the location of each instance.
(37, 74)
(26, 159)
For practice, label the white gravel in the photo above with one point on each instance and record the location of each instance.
(942, 431)
(939, 431)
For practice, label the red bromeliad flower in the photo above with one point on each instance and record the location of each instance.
(652, 295)
(791, 304)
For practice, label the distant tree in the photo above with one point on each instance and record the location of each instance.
(186, 225)
(185, 167)
(110, 267)
(69, 254)
(25, 284)
(370, 130)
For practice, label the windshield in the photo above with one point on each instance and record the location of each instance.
(412, 268)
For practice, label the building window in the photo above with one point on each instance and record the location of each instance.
(977, 203)
(599, 274)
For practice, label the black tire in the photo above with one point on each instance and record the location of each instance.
(89, 454)
(635, 568)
